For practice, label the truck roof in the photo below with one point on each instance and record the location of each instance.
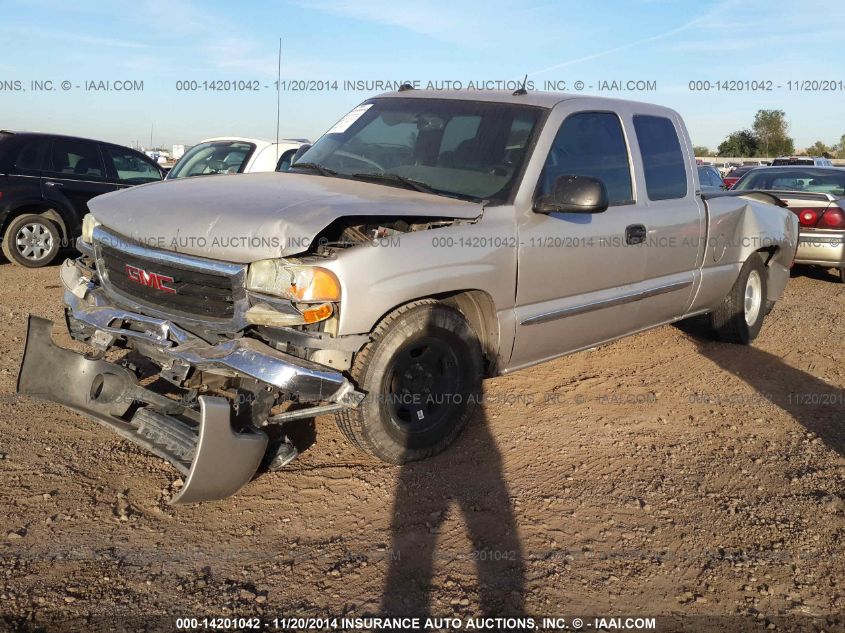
(532, 98)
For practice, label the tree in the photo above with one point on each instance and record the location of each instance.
(819, 149)
(739, 143)
(700, 150)
(840, 149)
(772, 133)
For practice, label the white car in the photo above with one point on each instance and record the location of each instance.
(235, 155)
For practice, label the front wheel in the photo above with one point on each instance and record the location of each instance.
(739, 317)
(31, 240)
(422, 374)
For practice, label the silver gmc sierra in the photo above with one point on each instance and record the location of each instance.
(426, 241)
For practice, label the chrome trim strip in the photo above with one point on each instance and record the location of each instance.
(821, 238)
(606, 303)
(47, 176)
(121, 243)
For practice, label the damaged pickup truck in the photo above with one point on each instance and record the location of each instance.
(426, 241)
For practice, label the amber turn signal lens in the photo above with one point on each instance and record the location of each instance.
(317, 313)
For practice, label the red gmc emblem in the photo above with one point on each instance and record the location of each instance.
(156, 281)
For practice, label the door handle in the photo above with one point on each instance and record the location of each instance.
(635, 234)
(51, 183)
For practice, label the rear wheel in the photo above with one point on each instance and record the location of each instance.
(31, 240)
(422, 375)
(739, 317)
(842, 275)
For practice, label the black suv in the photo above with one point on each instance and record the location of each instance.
(46, 181)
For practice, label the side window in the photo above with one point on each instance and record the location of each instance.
(591, 144)
(285, 160)
(131, 168)
(708, 177)
(76, 158)
(663, 160)
(715, 178)
(31, 156)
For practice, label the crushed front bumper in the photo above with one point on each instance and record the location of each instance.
(216, 459)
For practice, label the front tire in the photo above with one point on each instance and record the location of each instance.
(422, 374)
(739, 317)
(31, 240)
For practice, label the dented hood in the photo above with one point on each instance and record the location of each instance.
(247, 217)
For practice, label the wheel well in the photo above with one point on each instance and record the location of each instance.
(38, 209)
(767, 253)
(478, 309)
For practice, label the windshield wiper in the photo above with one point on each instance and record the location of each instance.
(408, 183)
(323, 171)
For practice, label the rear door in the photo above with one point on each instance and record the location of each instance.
(22, 162)
(75, 173)
(673, 215)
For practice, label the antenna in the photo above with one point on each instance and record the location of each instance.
(521, 90)
(278, 97)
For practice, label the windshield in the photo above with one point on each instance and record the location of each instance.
(468, 149)
(829, 181)
(213, 157)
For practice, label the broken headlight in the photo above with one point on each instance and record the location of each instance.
(307, 284)
(313, 290)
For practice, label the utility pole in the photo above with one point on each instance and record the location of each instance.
(278, 97)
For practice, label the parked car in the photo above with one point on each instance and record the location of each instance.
(46, 182)
(815, 161)
(817, 196)
(735, 174)
(710, 179)
(234, 155)
(427, 240)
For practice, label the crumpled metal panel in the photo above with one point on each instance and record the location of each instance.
(247, 217)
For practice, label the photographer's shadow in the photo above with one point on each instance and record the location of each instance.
(818, 406)
(468, 477)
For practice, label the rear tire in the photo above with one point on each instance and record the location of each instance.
(422, 374)
(739, 317)
(842, 275)
(31, 240)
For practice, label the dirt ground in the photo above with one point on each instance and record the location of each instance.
(663, 475)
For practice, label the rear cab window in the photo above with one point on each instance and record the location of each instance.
(664, 164)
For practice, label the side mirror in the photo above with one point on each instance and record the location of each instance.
(574, 194)
(302, 149)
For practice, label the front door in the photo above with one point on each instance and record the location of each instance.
(579, 275)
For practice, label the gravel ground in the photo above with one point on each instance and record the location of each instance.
(663, 475)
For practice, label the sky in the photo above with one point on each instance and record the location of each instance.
(169, 44)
